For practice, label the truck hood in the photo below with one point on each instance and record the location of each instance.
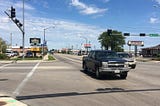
(113, 60)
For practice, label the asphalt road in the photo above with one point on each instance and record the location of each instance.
(62, 83)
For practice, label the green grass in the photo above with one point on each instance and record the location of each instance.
(33, 58)
(50, 58)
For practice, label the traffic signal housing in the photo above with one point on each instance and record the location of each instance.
(17, 22)
(109, 31)
(13, 12)
(126, 34)
(142, 34)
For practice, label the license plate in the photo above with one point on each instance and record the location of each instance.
(117, 71)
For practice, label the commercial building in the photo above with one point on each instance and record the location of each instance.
(151, 51)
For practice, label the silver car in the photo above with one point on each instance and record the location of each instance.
(129, 58)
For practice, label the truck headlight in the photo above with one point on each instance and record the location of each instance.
(104, 64)
(126, 64)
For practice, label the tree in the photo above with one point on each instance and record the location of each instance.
(3, 46)
(114, 41)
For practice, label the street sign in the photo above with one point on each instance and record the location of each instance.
(154, 35)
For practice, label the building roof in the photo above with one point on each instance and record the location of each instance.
(154, 47)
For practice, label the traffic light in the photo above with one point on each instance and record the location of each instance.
(109, 31)
(17, 22)
(13, 12)
(126, 34)
(142, 34)
(20, 25)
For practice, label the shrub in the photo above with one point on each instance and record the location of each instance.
(3, 56)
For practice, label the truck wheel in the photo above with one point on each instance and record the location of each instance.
(133, 67)
(98, 74)
(84, 67)
(124, 75)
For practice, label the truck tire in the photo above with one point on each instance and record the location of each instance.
(124, 75)
(133, 67)
(85, 68)
(98, 74)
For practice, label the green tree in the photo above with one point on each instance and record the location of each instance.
(3, 46)
(115, 40)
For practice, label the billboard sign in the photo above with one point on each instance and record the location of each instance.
(35, 41)
(135, 43)
(87, 45)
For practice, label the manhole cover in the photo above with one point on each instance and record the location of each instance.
(2, 103)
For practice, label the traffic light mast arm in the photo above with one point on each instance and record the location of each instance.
(14, 22)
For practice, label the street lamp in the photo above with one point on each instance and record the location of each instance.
(44, 38)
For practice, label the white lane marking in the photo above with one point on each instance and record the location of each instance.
(56, 67)
(23, 83)
(17, 67)
(4, 65)
(73, 60)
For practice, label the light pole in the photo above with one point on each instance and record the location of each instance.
(44, 37)
(23, 32)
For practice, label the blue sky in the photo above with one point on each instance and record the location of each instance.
(77, 20)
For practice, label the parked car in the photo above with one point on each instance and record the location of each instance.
(105, 62)
(9, 53)
(15, 53)
(129, 58)
(29, 54)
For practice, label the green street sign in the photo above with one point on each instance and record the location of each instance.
(154, 35)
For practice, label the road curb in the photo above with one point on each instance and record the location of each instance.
(9, 101)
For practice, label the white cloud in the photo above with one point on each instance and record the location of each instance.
(154, 20)
(86, 9)
(66, 32)
(106, 1)
(158, 1)
(20, 5)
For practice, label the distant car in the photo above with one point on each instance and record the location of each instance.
(9, 53)
(129, 58)
(29, 54)
(15, 53)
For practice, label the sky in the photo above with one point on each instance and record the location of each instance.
(69, 23)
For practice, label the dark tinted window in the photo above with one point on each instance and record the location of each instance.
(106, 54)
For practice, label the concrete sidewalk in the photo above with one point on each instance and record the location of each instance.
(141, 59)
(9, 101)
(45, 58)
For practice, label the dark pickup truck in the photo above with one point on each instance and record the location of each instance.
(105, 62)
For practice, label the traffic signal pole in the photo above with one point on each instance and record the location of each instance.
(18, 24)
(23, 32)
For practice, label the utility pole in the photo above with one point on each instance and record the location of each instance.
(23, 33)
(11, 39)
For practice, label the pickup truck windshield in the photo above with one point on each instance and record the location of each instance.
(105, 54)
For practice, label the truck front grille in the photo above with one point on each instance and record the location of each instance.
(116, 65)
